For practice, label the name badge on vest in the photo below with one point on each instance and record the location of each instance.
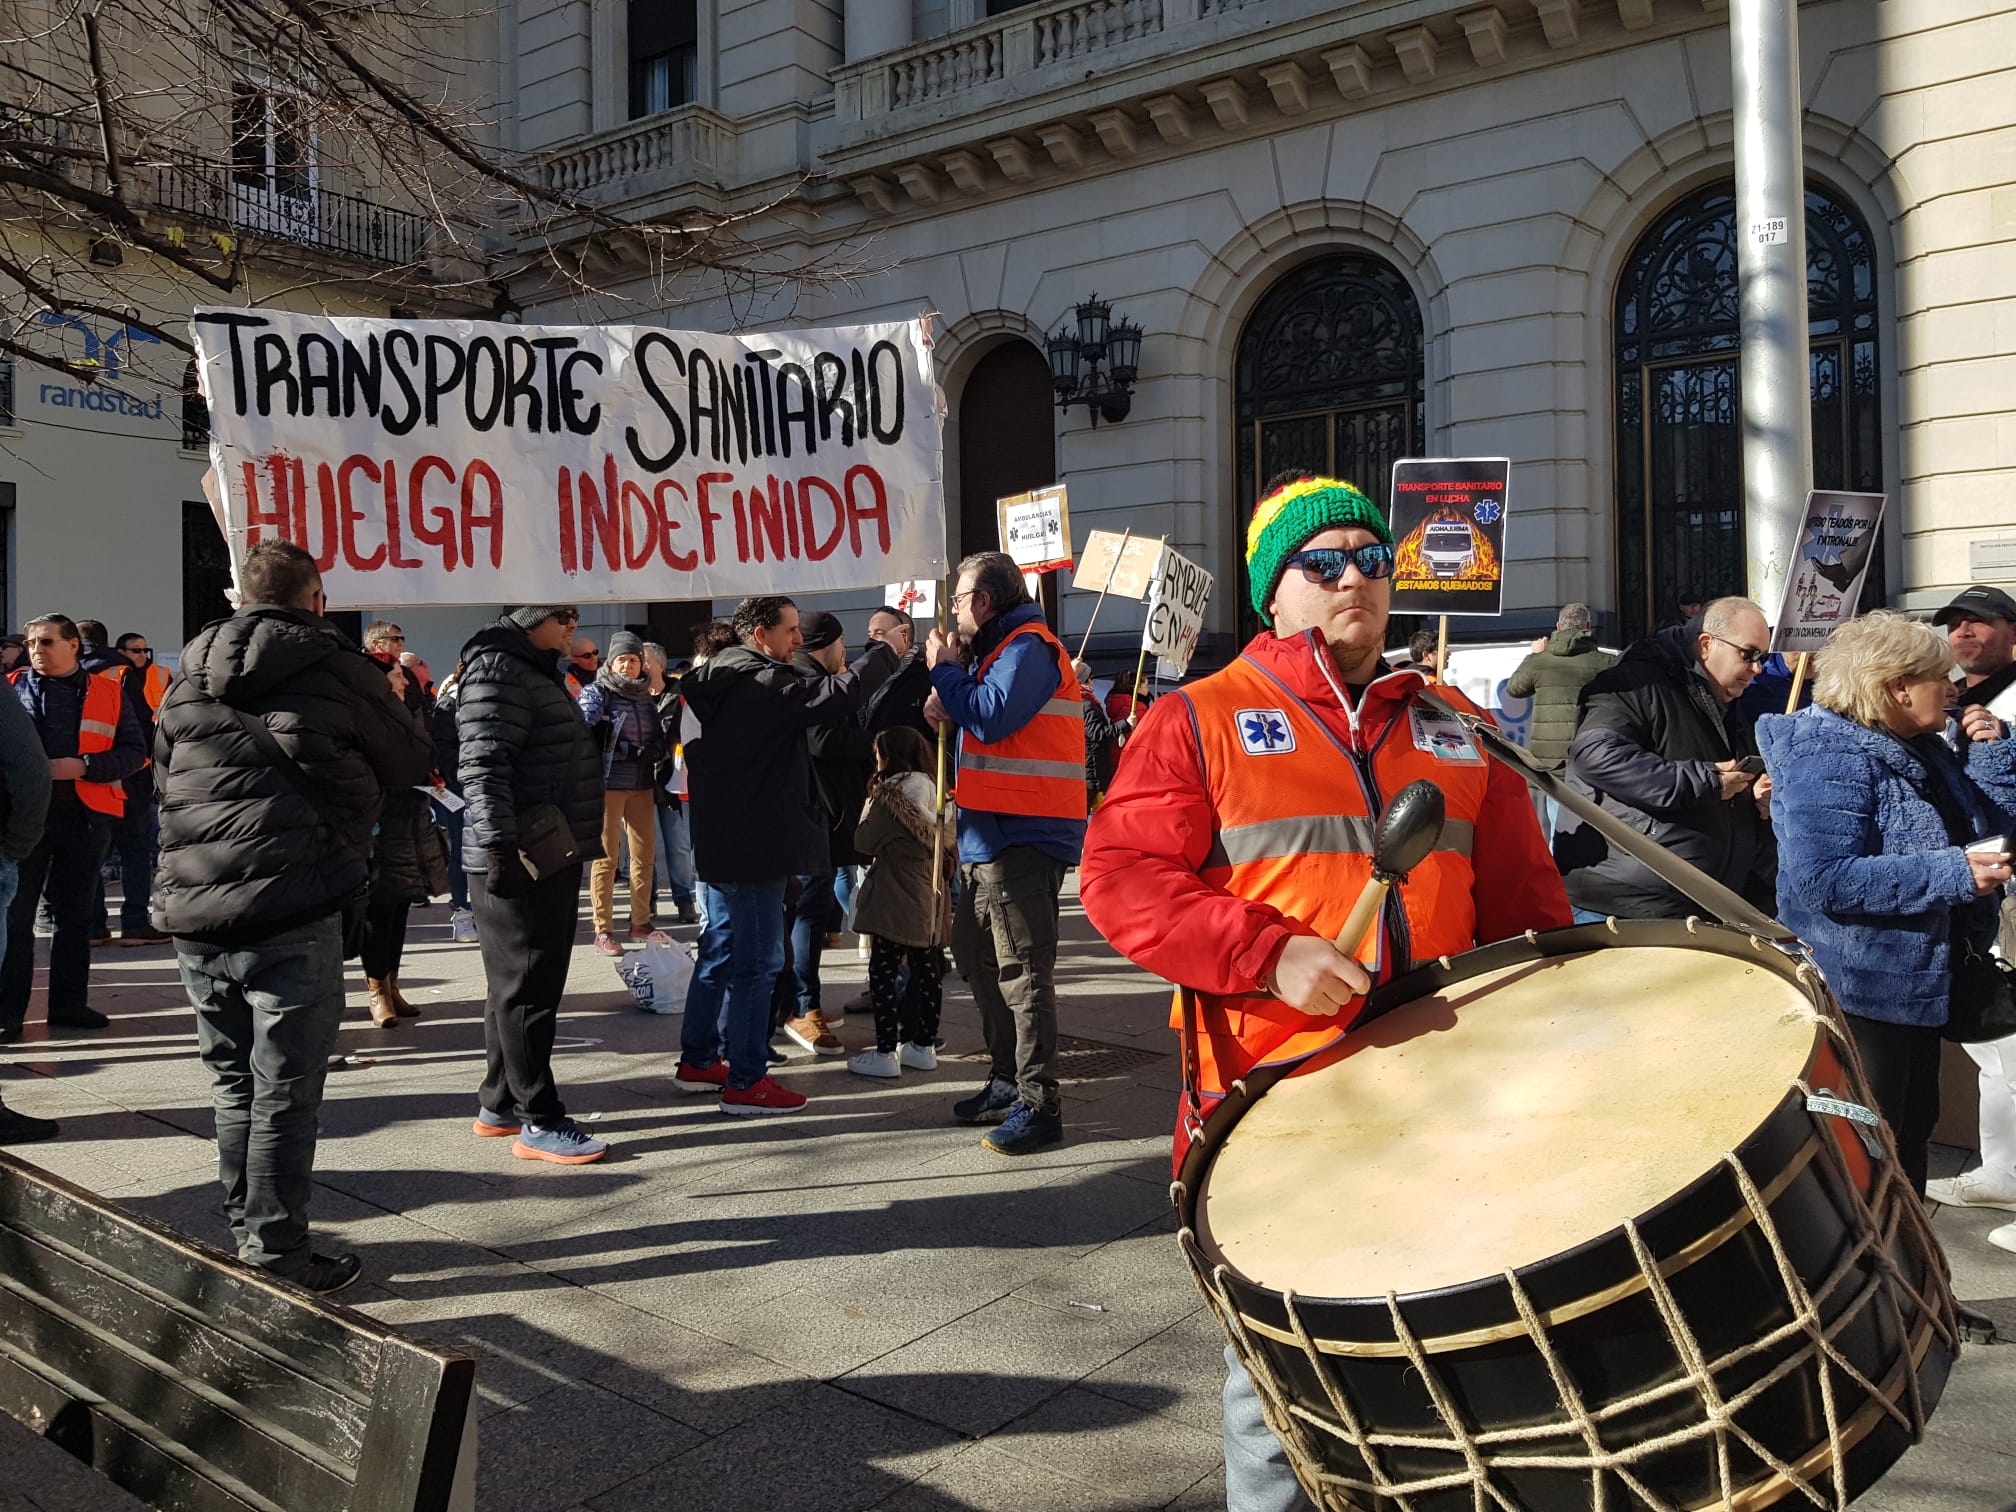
(1442, 735)
(1264, 732)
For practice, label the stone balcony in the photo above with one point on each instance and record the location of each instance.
(639, 159)
(1061, 87)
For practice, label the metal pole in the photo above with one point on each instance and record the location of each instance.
(1776, 382)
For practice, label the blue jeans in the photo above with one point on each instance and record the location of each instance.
(741, 952)
(675, 856)
(1257, 1477)
(798, 991)
(266, 1020)
(10, 882)
(1588, 915)
(846, 881)
(134, 835)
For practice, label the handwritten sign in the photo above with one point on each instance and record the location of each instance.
(471, 462)
(1176, 600)
(1837, 539)
(1449, 535)
(1131, 565)
(1036, 529)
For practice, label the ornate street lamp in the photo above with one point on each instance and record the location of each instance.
(1076, 362)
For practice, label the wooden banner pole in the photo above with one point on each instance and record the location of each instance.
(1442, 650)
(938, 804)
(1105, 588)
(1798, 681)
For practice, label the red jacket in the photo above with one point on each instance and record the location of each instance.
(1140, 879)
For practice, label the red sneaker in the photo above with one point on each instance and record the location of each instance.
(763, 1098)
(691, 1078)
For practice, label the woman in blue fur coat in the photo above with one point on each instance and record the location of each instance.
(1873, 809)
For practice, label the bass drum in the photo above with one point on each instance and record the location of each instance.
(1596, 1219)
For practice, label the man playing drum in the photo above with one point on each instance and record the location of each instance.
(1238, 832)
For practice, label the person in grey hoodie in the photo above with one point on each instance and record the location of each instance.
(1553, 676)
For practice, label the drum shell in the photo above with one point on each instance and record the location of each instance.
(1602, 1321)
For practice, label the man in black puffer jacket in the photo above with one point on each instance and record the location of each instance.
(276, 744)
(524, 753)
(1661, 745)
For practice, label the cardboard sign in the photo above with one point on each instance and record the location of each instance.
(473, 462)
(1036, 529)
(1131, 565)
(1837, 538)
(1449, 535)
(916, 597)
(1176, 600)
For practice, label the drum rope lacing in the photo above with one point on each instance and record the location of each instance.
(1484, 1453)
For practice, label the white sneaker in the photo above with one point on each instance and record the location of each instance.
(835, 1018)
(1978, 1188)
(875, 1063)
(462, 927)
(2004, 1237)
(919, 1057)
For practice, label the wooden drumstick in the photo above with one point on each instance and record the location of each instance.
(1407, 831)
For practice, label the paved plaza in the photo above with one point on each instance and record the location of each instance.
(855, 1307)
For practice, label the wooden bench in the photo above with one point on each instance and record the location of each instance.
(200, 1384)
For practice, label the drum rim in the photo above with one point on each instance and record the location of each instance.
(1186, 1191)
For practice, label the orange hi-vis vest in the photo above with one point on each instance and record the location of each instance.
(96, 731)
(1039, 771)
(157, 682)
(1296, 812)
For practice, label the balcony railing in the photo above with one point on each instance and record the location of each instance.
(691, 143)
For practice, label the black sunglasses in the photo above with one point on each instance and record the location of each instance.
(1326, 564)
(1750, 654)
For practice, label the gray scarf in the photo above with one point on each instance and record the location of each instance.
(625, 687)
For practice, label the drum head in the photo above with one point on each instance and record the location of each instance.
(1511, 1117)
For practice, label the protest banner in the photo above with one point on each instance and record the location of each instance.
(1837, 539)
(474, 462)
(1448, 523)
(1176, 600)
(916, 597)
(1036, 529)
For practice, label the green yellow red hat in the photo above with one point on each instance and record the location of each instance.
(1287, 518)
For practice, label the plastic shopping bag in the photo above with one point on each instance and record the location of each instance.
(658, 976)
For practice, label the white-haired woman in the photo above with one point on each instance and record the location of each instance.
(1874, 807)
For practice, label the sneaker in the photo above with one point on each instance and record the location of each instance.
(775, 1057)
(563, 1143)
(1024, 1131)
(835, 939)
(810, 1033)
(919, 1058)
(989, 1105)
(101, 937)
(325, 1275)
(764, 1098)
(462, 927)
(875, 1063)
(2004, 1237)
(129, 938)
(687, 1077)
(1980, 1187)
(607, 945)
(79, 1018)
(23, 1128)
(649, 937)
(493, 1125)
(837, 1019)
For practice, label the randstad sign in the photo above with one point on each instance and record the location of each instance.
(112, 397)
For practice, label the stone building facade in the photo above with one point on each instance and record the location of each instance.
(1349, 232)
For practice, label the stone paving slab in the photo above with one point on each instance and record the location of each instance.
(855, 1307)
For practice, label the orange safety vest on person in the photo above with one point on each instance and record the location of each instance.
(97, 729)
(157, 682)
(1296, 813)
(1039, 771)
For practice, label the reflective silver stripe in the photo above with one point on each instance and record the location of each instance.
(1070, 707)
(1019, 766)
(1317, 835)
(97, 727)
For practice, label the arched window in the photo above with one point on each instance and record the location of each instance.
(1329, 380)
(1679, 426)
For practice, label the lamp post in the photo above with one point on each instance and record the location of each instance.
(1077, 359)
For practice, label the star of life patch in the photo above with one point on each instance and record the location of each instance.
(1264, 732)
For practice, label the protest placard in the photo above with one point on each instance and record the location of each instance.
(1837, 539)
(1176, 600)
(1129, 559)
(474, 462)
(916, 597)
(1036, 528)
(1448, 524)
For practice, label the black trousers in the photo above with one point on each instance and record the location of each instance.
(66, 863)
(526, 943)
(1901, 1062)
(384, 939)
(906, 1004)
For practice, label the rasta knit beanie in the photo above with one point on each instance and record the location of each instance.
(1284, 521)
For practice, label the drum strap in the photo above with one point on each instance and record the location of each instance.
(1193, 1072)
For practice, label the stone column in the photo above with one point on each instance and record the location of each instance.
(875, 26)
